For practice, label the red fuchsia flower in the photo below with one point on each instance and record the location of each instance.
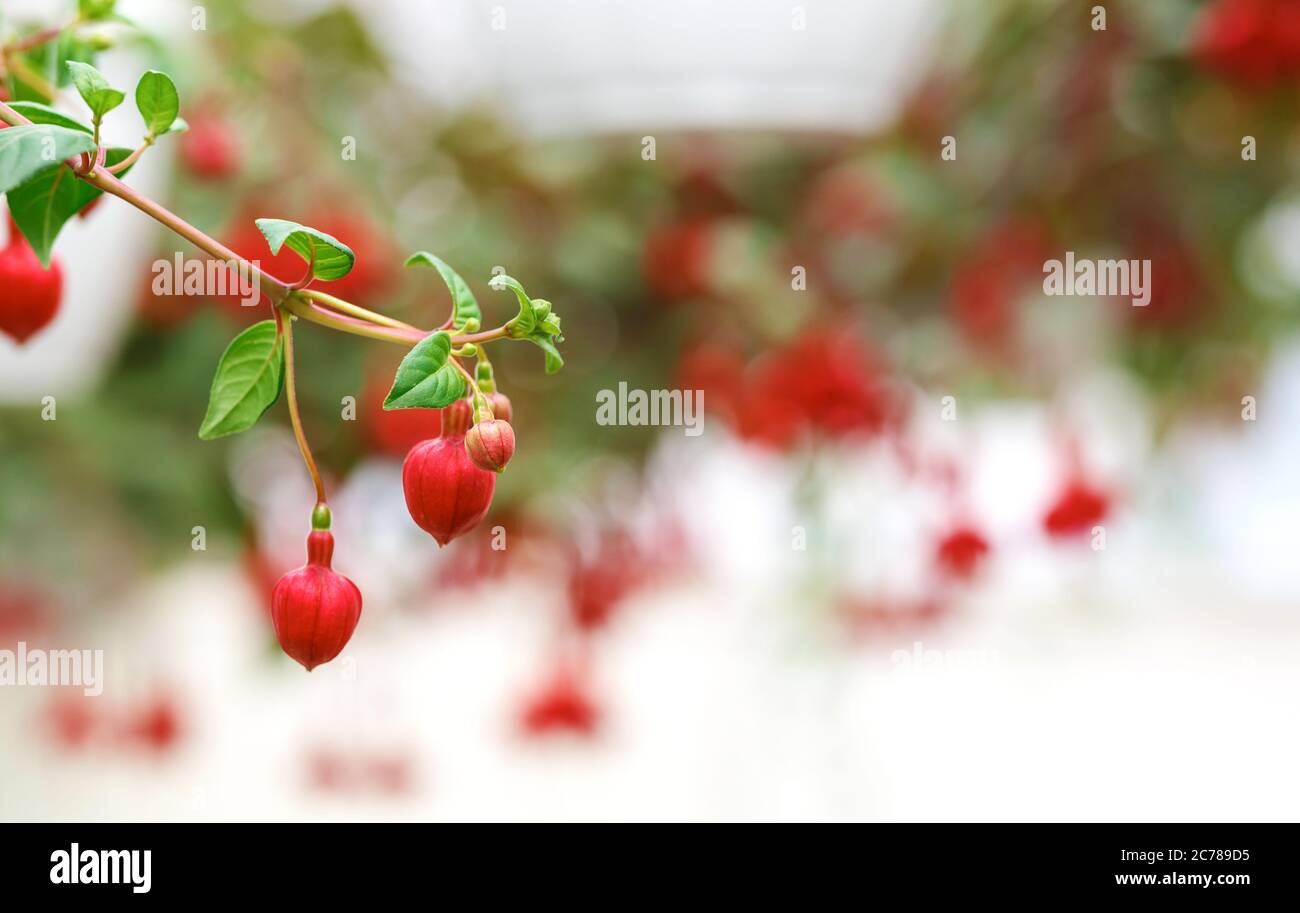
(598, 584)
(989, 278)
(821, 382)
(1077, 509)
(678, 259)
(717, 370)
(1179, 292)
(446, 494)
(210, 149)
(29, 293)
(490, 444)
(960, 552)
(72, 720)
(560, 706)
(1255, 43)
(314, 609)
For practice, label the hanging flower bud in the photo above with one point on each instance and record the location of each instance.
(501, 407)
(446, 494)
(314, 609)
(490, 443)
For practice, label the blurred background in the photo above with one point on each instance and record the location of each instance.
(947, 548)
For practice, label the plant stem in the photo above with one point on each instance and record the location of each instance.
(272, 287)
(12, 117)
(486, 336)
(479, 399)
(19, 68)
(308, 310)
(340, 315)
(354, 310)
(291, 394)
(130, 159)
(36, 39)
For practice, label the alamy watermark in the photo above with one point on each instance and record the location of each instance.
(78, 866)
(684, 408)
(1114, 278)
(23, 667)
(207, 277)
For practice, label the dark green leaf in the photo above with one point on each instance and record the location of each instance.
(27, 151)
(158, 101)
(44, 204)
(426, 379)
(330, 257)
(38, 113)
(248, 381)
(464, 305)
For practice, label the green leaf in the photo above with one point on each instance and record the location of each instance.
(94, 88)
(44, 204)
(524, 324)
(158, 101)
(179, 125)
(38, 113)
(464, 305)
(426, 379)
(248, 381)
(536, 322)
(27, 151)
(553, 360)
(332, 258)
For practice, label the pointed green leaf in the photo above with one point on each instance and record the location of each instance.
(44, 204)
(464, 305)
(27, 151)
(248, 381)
(94, 89)
(330, 257)
(158, 101)
(426, 379)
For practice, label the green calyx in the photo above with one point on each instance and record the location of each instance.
(320, 517)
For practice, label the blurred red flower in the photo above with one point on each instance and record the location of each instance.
(677, 258)
(1253, 42)
(990, 276)
(823, 381)
(1077, 508)
(560, 706)
(961, 551)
